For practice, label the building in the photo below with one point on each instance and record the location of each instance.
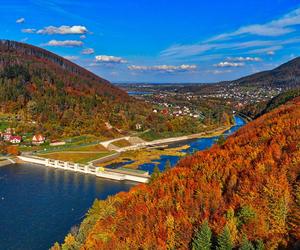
(38, 139)
(6, 136)
(15, 139)
(138, 126)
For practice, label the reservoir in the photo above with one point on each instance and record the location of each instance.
(39, 205)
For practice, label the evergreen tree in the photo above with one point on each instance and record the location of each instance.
(259, 245)
(221, 140)
(202, 238)
(246, 244)
(156, 173)
(224, 240)
(168, 165)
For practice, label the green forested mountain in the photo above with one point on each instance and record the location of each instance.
(60, 97)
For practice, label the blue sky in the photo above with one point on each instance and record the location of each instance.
(159, 40)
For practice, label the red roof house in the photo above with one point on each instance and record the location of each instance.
(15, 139)
(38, 139)
(6, 136)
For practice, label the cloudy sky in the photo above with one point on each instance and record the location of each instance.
(160, 40)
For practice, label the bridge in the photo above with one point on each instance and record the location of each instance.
(88, 169)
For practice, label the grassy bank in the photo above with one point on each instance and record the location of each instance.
(76, 157)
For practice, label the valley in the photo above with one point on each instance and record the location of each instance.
(207, 155)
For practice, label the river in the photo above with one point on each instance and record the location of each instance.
(39, 205)
(195, 145)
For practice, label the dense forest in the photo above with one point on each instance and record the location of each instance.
(49, 94)
(60, 97)
(240, 194)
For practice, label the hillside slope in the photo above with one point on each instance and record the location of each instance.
(62, 97)
(258, 109)
(249, 186)
(285, 76)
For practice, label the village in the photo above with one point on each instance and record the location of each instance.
(9, 136)
(188, 100)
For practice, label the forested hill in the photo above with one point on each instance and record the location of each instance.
(243, 193)
(62, 97)
(285, 76)
(19, 52)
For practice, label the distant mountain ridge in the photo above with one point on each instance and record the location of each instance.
(286, 75)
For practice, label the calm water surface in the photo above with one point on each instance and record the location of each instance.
(39, 205)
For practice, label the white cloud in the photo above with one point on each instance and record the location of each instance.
(244, 59)
(228, 41)
(181, 51)
(229, 64)
(88, 51)
(187, 50)
(266, 50)
(65, 43)
(30, 31)
(164, 68)
(20, 20)
(71, 58)
(63, 30)
(271, 52)
(82, 37)
(109, 59)
(219, 72)
(278, 27)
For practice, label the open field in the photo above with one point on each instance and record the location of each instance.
(77, 157)
(95, 147)
(78, 143)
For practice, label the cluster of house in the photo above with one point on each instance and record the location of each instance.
(9, 136)
(180, 111)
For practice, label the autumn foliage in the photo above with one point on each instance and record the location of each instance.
(60, 97)
(250, 185)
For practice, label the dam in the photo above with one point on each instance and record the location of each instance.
(112, 174)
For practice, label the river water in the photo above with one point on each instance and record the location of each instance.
(39, 205)
(195, 145)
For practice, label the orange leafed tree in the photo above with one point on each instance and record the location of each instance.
(251, 184)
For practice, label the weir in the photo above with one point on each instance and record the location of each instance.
(88, 169)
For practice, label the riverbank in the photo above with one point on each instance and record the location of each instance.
(206, 134)
(6, 161)
(146, 155)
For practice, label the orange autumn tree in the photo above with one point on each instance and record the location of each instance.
(249, 185)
